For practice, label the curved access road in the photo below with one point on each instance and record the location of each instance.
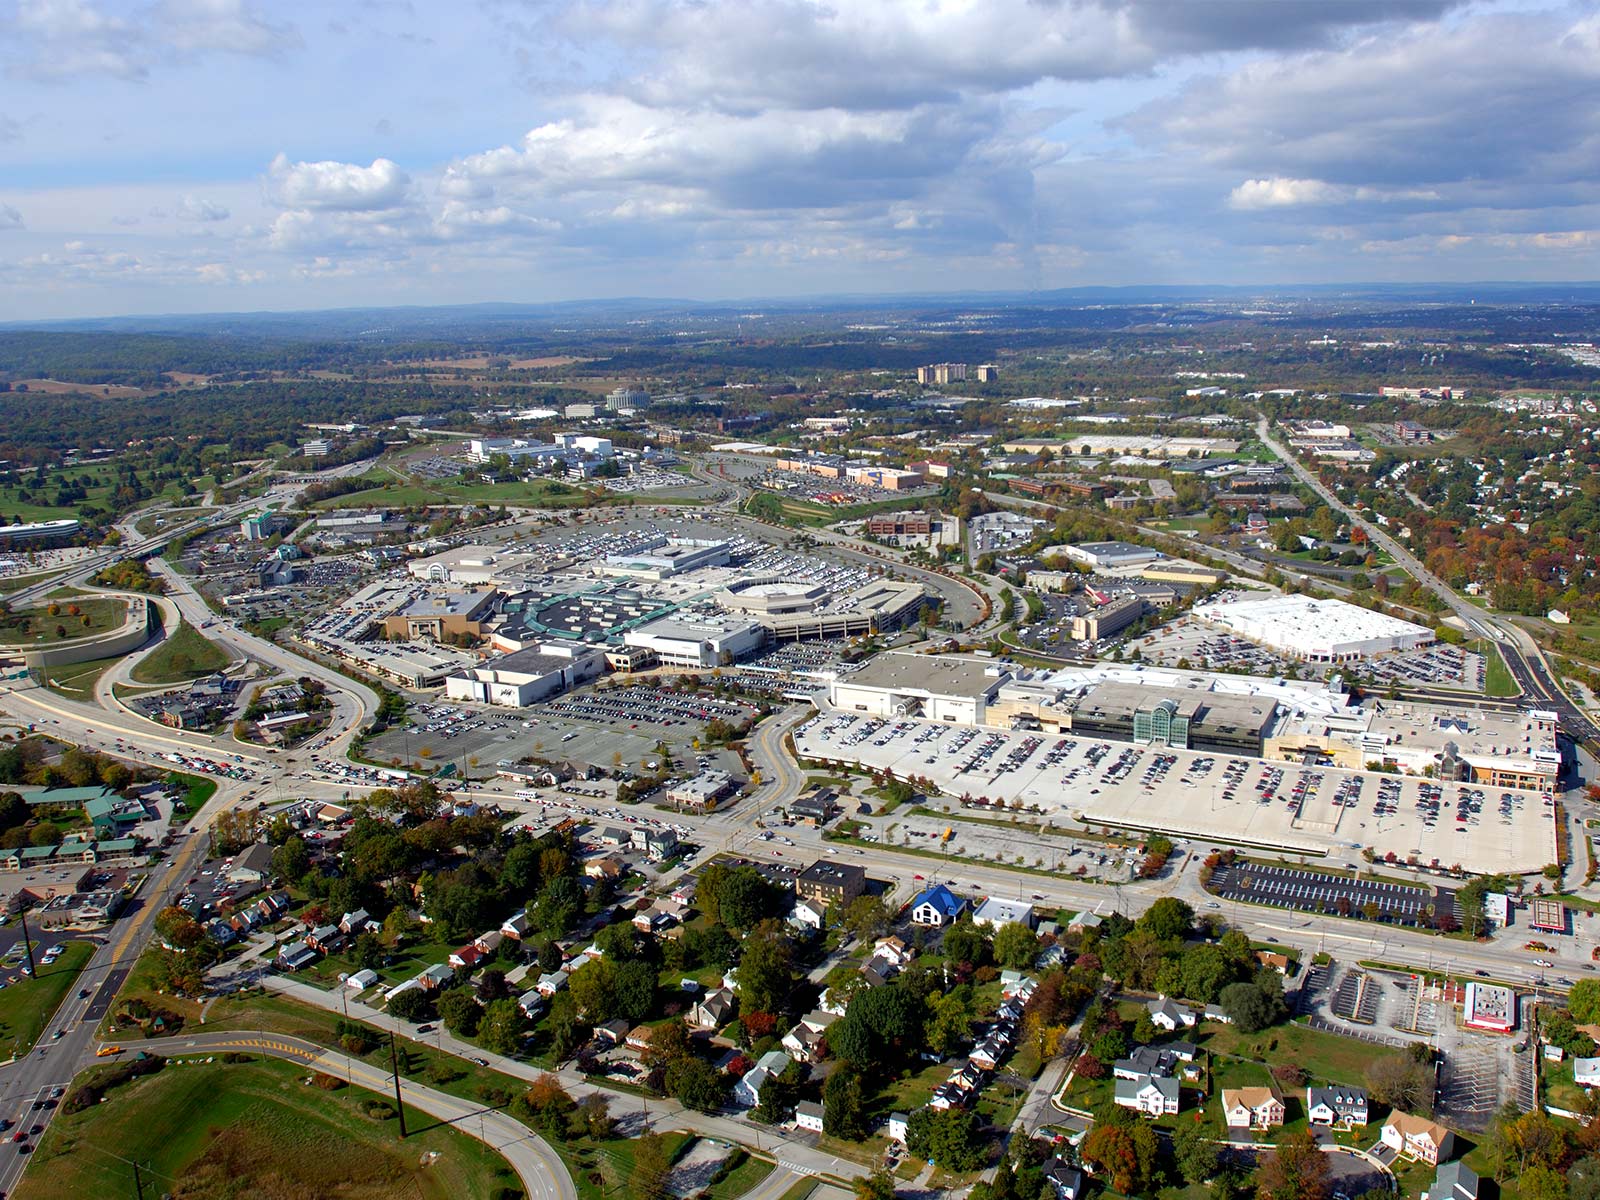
(544, 1176)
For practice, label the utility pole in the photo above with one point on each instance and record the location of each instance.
(400, 1104)
(33, 967)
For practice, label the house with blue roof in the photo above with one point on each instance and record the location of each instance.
(937, 907)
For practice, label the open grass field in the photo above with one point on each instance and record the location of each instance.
(1497, 679)
(185, 654)
(26, 1005)
(15, 583)
(77, 682)
(79, 618)
(391, 490)
(218, 1131)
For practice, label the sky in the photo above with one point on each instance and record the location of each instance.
(229, 155)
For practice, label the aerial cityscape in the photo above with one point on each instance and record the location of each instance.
(787, 602)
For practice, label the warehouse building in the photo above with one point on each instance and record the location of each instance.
(666, 557)
(1110, 556)
(1315, 630)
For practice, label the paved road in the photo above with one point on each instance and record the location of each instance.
(544, 1176)
(1522, 655)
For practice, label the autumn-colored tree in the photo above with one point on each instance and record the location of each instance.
(1294, 1170)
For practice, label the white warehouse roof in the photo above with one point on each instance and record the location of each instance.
(1320, 630)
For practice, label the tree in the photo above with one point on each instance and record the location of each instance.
(1401, 1083)
(766, 969)
(949, 1021)
(460, 1012)
(492, 985)
(1123, 1155)
(1194, 1152)
(1250, 1008)
(844, 1105)
(669, 1042)
(1015, 946)
(1541, 1183)
(413, 1005)
(502, 1028)
(696, 1084)
(948, 1137)
(881, 1026)
(1296, 1169)
(964, 942)
(1583, 1001)
(651, 1167)
(867, 918)
(1169, 918)
(877, 1186)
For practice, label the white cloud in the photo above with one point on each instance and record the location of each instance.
(10, 218)
(1278, 192)
(337, 186)
(193, 208)
(228, 26)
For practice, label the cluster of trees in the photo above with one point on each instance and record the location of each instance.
(129, 574)
(1549, 1161)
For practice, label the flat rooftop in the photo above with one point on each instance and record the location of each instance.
(448, 604)
(943, 675)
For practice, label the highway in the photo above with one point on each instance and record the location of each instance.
(1522, 655)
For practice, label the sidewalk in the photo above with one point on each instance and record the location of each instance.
(628, 1109)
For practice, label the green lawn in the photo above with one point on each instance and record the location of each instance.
(184, 655)
(15, 583)
(216, 1131)
(389, 489)
(602, 1169)
(102, 614)
(1497, 679)
(1326, 1057)
(76, 682)
(25, 1006)
(739, 1180)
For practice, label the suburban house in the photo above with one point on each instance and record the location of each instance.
(467, 957)
(325, 939)
(937, 907)
(1065, 1180)
(713, 1010)
(1169, 1017)
(1175, 1060)
(1148, 1095)
(1336, 1107)
(361, 980)
(803, 1042)
(747, 1092)
(1455, 1181)
(1586, 1072)
(896, 1129)
(613, 1032)
(808, 1116)
(550, 983)
(436, 976)
(1418, 1138)
(895, 949)
(808, 914)
(1252, 1108)
(531, 1004)
(296, 955)
(355, 922)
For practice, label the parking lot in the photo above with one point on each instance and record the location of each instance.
(619, 730)
(1312, 891)
(1328, 812)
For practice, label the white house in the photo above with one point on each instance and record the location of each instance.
(896, 1129)
(995, 912)
(1586, 1072)
(1336, 1107)
(808, 1116)
(1169, 1017)
(1252, 1108)
(1148, 1095)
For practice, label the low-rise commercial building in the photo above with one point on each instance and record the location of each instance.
(526, 677)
